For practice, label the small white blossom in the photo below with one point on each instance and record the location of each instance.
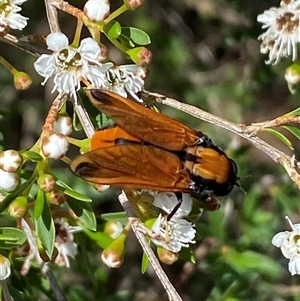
(9, 16)
(69, 65)
(175, 234)
(55, 146)
(97, 10)
(168, 201)
(283, 30)
(289, 244)
(125, 78)
(64, 242)
(8, 181)
(63, 125)
(5, 269)
(10, 160)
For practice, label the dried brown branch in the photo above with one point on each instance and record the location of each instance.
(276, 155)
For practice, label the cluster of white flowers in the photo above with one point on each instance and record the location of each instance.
(9, 16)
(289, 243)
(70, 66)
(283, 30)
(10, 161)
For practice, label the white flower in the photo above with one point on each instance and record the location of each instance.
(289, 243)
(283, 30)
(9, 16)
(64, 242)
(69, 65)
(125, 78)
(5, 269)
(55, 146)
(8, 181)
(177, 232)
(168, 201)
(63, 125)
(174, 234)
(10, 160)
(97, 10)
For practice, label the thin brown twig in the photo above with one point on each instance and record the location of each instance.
(278, 156)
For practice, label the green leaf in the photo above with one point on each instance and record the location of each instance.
(145, 263)
(74, 194)
(295, 112)
(293, 130)
(279, 135)
(187, 254)
(84, 213)
(33, 156)
(113, 30)
(100, 238)
(136, 35)
(116, 216)
(11, 237)
(44, 223)
(248, 261)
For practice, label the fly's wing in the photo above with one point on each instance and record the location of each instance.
(143, 123)
(133, 166)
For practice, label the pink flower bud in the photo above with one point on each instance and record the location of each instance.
(166, 256)
(113, 255)
(97, 10)
(133, 4)
(63, 125)
(22, 80)
(46, 182)
(18, 207)
(55, 146)
(111, 258)
(21, 251)
(56, 197)
(10, 160)
(9, 181)
(140, 55)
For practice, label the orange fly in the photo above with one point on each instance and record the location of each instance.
(152, 151)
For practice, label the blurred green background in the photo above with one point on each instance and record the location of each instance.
(205, 53)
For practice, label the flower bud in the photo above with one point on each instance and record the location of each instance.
(46, 182)
(292, 74)
(140, 55)
(5, 269)
(63, 125)
(113, 229)
(21, 251)
(133, 4)
(97, 10)
(10, 160)
(56, 197)
(22, 80)
(18, 207)
(9, 181)
(166, 256)
(113, 255)
(55, 146)
(44, 256)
